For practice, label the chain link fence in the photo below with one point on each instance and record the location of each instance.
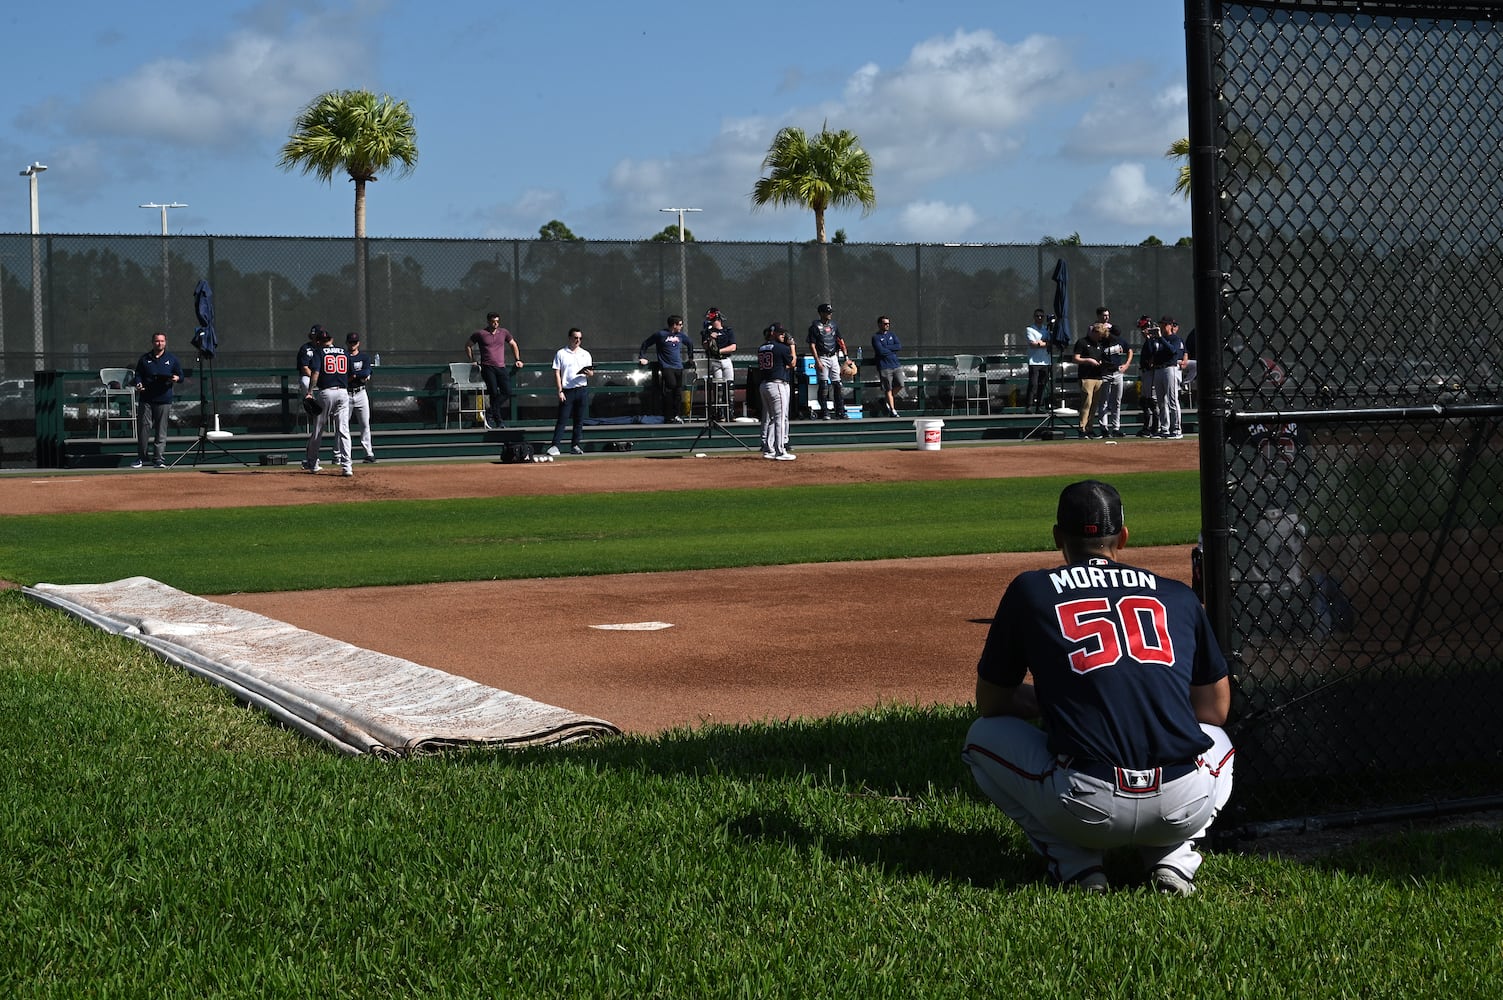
(81, 302)
(1346, 171)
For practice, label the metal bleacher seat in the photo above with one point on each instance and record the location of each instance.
(970, 384)
(118, 402)
(464, 377)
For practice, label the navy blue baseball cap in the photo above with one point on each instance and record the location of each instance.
(317, 331)
(1089, 509)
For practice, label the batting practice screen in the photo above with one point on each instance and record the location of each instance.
(1346, 169)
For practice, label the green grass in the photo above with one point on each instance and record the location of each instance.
(159, 841)
(251, 549)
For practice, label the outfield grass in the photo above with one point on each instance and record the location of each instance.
(253, 549)
(157, 840)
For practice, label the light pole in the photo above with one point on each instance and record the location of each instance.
(166, 264)
(164, 208)
(683, 277)
(32, 172)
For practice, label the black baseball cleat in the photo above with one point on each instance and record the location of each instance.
(369, 459)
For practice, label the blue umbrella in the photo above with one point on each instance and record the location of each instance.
(204, 338)
(1061, 332)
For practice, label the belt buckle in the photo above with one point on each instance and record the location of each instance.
(1139, 782)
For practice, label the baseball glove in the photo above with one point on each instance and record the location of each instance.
(848, 370)
(312, 406)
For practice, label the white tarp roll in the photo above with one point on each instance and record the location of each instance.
(358, 700)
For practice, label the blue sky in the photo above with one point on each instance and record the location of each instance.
(986, 121)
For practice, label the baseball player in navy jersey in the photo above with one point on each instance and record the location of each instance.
(1132, 691)
(305, 356)
(360, 402)
(775, 366)
(827, 347)
(330, 382)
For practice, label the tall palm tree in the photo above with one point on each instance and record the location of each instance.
(359, 134)
(829, 171)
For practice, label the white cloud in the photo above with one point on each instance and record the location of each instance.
(522, 215)
(241, 89)
(1121, 123)
(1125, 197)
(936, 221)
(958, 103)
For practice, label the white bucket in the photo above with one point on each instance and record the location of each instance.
(928, 433)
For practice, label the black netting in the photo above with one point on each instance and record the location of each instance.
(93, 300)
(1355, 387)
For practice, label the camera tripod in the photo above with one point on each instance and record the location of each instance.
(718, 396)
(205, 435)
(1056, 393)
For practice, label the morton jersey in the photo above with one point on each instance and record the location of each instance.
(1114, 650)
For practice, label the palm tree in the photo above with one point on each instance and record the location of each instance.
(829, 171)
(357, 133)
(1179, 149)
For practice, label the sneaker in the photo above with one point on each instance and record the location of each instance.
(314, 469)
(553, 451)
(369, 460)
(1172, 883)
(137, 464)
(787, 457)
(347, 472)
(769, 455)
(576, 450)
(159, 465)
(1176, 436)
(1094, 883)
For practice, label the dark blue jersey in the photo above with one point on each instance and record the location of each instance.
(331, 367)
(1114, 651)
(1176, 347)
(774, 361)
(1156, 354)
(305, 356)
(360, 369)
(824, 335)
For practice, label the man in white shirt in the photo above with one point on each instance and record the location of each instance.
(572, 368)
(1038, 363)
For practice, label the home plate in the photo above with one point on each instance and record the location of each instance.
(635, 626)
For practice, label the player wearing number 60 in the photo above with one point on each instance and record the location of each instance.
(1132, 691)
(329, 379)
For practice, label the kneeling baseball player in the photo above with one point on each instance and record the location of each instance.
(1132, 690)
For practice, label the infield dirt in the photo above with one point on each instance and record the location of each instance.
(762, 643)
